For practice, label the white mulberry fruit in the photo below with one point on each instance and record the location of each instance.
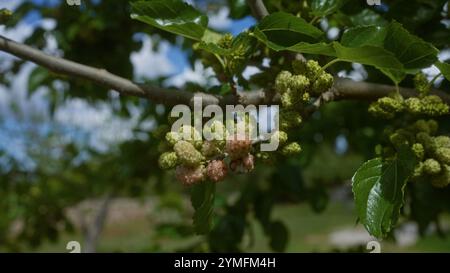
(187, 154)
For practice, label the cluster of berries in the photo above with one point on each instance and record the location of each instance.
(432, 151)
(196, 160)
(295, 88)
(307, 79)
(424, 104)
(231, 54)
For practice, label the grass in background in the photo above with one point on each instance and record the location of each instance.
(309, 232)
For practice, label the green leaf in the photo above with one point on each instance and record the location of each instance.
(202, 199)
(279, 236)
(364, 35)
(5, 15)
(317, 48)
(368, 17)
(286, 30)
(406, 49)
(378, 188)
(211, 36)
(173, 16)
(410, 50)
(213, 48)
(38, 77)
(291, 33)
(444, 68)
(323, 8)
(372, 55)
(238, 8)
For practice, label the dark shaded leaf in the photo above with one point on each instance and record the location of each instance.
(364, 35)
(410, 50)
(38, 77)
(323, 8)
(202, 199)
(444, 68)
(368, 17)
(279, 236)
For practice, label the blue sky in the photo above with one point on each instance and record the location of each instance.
(25, 121)
(175, 54)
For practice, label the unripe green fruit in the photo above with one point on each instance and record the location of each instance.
(190, 134)
(323, 83)
(5, 15)
(418, 150)
(226, 41)
(292, 148)
(434, 106)
(442, 180)
(386, 107)
(187, 154)
(441, 141)
(431, 166)
(172, 138)
(282, 81)
(287, 99)
(313, 69)
(376, 110)
(443, 155)
(421, 83)
(391, 104)
(413, 105)
(299, 83)
(282, 137)
(425, 140)
(168, 160)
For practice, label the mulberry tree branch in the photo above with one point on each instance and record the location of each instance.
(343, 88)
(258, 8)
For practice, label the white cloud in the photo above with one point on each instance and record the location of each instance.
(220, 20)
(97, 123)
(198, 75)
(250, 71)
(433, 71)
(22, 31)
(358, 73)
(151, 64)
(10, 4)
